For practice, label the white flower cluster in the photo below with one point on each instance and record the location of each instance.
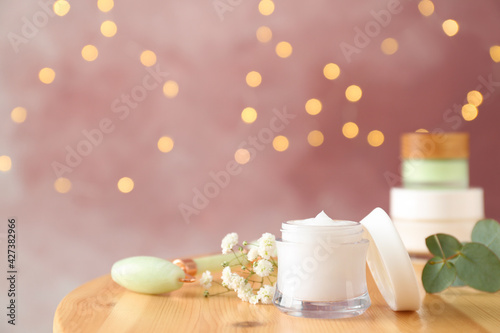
(260, 262)
(229, 242)
(206, 280)
(244, 288)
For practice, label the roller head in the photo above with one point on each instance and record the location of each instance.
(147, 275)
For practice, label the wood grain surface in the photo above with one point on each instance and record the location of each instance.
(101, 306)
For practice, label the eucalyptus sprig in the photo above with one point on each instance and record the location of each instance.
(475, 263)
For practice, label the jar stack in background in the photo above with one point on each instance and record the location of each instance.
(435, 196)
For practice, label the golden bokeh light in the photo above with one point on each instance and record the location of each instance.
(47, 75)
(313, 106)
(148, 58)
(474, 97)
(264, 34)
(495, 53)
(331, 71)
(108, 28)
(249, 115)
(280, 143)
(5, 163)
(125, 185)
(283, 49)
(315, 138)
(62, 185)
(165, 144)
(61, 7)
(170, 89)
(469, 112)
(389, 46)
(105, 5)
(254, 79)
(242, 156)
(266, 7)
(89, 52)
(350, 130)
(426, 7)
(450, 27)
(18, 114)
(421, 130)
(353, 93)
(375, 138)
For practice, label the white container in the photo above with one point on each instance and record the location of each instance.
(419, 213)
(322, 267)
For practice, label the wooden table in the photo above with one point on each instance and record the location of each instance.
(101, 306)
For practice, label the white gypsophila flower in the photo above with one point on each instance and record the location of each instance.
(206, 280)
(254, 299)
(263, 267)
(228, 242)
(226, 276)
(266, 294)
(237, 282)
(245, 291)
(267, 245)
(253, 254)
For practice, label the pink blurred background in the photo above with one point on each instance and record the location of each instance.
(207, 48)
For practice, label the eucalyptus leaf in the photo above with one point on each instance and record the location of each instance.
(442, 245)
(487, 232)
(458, 283)
(438, 275)
(478, 267)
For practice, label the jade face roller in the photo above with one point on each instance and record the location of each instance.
(152, 275)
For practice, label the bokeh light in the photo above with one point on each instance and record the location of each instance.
(426, 7)
(283, 49)
(105, 5)
(89, 52)
(5, 163)
(421, 130)
(242, 156)
(18, 114)
(350, 130)
(125, 185)
(253, 79)
(469, 112)
(474, 97)
(170, 89)
(148, 58)
(165, 144)
(313, 106)
(264, 34)
(266, 7)
(280, 143)
(47, 75)
(389, 46)
(108, 28)
(495, 53)
(249, 115)
(331, 71)
(450, 27)
(61, 7)
(375, 138)
(62, 185)
(315, 138)
(353, 93)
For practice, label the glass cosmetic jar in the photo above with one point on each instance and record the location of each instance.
(432, 160)
(322, 267)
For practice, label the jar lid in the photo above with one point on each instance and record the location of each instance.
(435, 145)
(390, 263)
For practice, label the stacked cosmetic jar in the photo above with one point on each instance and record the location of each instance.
(435, 196)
